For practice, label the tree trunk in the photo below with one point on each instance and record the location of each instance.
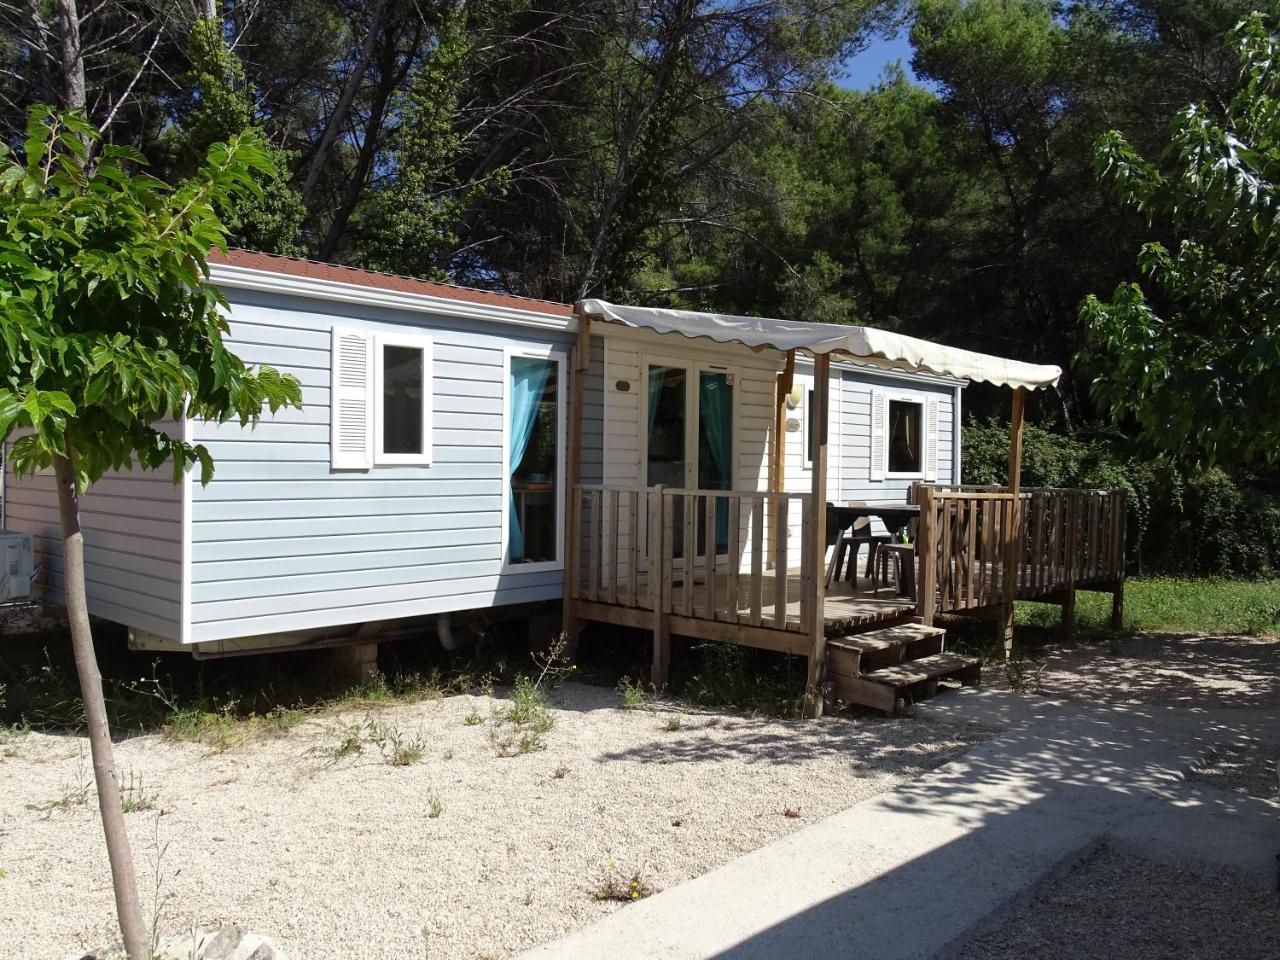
(70, 58)
(354, 79)
(128, 909)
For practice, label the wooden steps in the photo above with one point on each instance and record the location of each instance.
(890, 668)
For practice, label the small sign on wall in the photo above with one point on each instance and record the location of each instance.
(793, 425)
(622, 386)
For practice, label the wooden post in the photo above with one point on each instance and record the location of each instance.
(1069, 610)
(573, 469)
(926, 549)
(813, 580)
(778, 445)
(1013, 540)
(1122, 533)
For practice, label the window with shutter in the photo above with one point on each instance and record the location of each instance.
(879, 434)
(350, 400)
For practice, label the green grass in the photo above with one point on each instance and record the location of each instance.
(1173, 605)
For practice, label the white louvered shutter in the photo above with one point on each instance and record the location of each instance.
(351, 400)
(931, 440)
(879, 434)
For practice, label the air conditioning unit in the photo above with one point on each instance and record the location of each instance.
(17, 566)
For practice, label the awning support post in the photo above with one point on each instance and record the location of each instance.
(813, 572)
(573, 470)
(1013, 539)
(778, 445)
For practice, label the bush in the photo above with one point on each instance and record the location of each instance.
(1181, 523)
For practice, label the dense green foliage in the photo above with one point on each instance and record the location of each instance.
(1182, 521)
(1196, 360)
(108, 325)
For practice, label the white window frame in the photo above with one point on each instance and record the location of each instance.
(560, 356)
(383, 458)
(920, 402)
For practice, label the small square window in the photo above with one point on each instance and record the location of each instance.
(906, 454)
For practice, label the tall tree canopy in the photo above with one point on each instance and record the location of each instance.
(1192, 352)
(688, 152)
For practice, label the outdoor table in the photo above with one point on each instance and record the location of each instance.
(894, 514)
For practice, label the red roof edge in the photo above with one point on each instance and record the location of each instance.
(314, 270)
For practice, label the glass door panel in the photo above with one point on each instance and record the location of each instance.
(667, 458)
(715, 451)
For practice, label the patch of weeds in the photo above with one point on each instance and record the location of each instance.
(218, 730)
(523, 726)
(560, 772)
(623, 887)
(1025, 674)
(379, 690)
(673, 725)
(278, 721)
(348, 746)
(134, 796)
(760, 682)
(394, 746)
(75, 793)
(635, 694)
(397, 749)
(473, 718)
(435, 807)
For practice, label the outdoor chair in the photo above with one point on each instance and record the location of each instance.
(902, 557)
(849, 545)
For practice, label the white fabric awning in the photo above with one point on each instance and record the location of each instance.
(865, 344)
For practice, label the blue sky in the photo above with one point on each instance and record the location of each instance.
(866, 69)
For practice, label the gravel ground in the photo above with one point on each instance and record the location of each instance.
(1248, 768)
(462, 854)
(1117, 904)
(1162, 670)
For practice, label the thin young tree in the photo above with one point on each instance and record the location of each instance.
(109, 327)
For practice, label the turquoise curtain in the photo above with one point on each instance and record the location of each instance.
(715, 398)
(528, 380)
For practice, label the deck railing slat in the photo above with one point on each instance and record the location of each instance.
(593, 559)
(709, 562)
(757, 559)
(780, 566)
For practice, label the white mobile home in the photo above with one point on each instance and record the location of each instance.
(384, 497)
(441, 428)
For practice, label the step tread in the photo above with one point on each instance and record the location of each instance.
(926, 668)
(887, 638)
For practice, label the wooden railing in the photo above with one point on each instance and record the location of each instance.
(1052, 540)
(692, 553)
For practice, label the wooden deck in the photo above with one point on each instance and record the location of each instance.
(1052, 541)
(845, 609)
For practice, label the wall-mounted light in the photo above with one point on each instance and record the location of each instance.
(793, 398)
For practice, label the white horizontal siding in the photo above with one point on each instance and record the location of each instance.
(132, 523)
(281, 542)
